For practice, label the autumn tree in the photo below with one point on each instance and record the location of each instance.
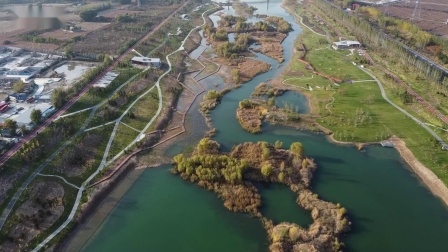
(36, 116)
(266, 170)
(278, 145)
(297, 149)
(11, 125)
(18, 86)
(236, 75)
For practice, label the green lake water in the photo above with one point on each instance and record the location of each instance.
(389, 208)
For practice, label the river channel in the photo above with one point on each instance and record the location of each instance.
(389, 208)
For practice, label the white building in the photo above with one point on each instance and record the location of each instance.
(152, 62)
(346, 44)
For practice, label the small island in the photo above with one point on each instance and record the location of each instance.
(230, 176)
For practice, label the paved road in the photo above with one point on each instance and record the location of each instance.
(106, 153)
(47, 122)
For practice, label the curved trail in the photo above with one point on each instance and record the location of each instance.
(56, 176)
(104, 162)
(83, 129)
(62, 110)
(383, 94)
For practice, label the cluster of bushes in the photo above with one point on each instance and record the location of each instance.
(125, 18)
(39, 147)
(90, 15)
(278, 22)
(207, 164)
(232, 49)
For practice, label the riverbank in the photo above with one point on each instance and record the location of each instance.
(426, 175)
(435, 185)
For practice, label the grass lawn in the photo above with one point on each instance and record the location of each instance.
(123, 138)
(104, 133)
(143, 111)
(359, 113)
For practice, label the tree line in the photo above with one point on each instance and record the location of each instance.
(376, 38)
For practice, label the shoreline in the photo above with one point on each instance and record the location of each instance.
(429, 179)
(425, 175)
(93, 222)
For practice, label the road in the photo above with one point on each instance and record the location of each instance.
(61, 111)
(103, 164)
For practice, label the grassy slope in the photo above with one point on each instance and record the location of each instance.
(361, 104)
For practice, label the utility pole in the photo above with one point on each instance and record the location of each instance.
(417, 10)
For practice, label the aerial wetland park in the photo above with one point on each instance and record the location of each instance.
(196, 125)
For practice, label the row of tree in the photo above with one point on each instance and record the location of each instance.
(371, 36)
(60, 96)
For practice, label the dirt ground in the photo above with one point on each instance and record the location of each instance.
(86, 27)
(115, 13)
(41, 209)
(433, 14)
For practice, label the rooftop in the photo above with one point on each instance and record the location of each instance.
(146, 59)
(347, 42)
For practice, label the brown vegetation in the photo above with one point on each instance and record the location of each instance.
(41, 209)
(230, 178)
(270, 43)
(249, 68)
(266, 89)
(250, 116)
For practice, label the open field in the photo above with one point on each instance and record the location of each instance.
(32, 219)
(433, 14)
(358, 113)
(86, 27)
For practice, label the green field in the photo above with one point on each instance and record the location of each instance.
(357, 112)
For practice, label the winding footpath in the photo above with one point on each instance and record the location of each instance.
(104, 161)
(62, 110)
(383, 93)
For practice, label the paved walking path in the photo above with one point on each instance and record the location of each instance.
(56, 176)
(106, 152)
(383, 93)
(62, 110)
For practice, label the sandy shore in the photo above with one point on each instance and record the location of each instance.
(435, 185)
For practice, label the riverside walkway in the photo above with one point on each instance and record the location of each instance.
(104, 161)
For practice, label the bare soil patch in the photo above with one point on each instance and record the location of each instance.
(42, 208)
(433, 15)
